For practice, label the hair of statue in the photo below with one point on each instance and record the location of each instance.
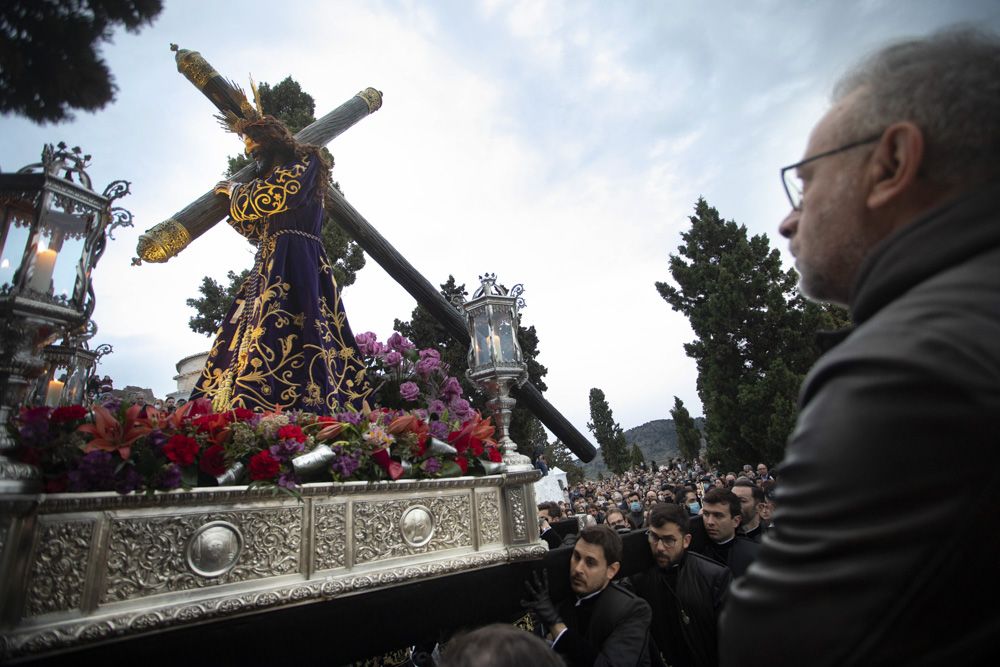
(604, 536)
(948, 84)
(274, 136)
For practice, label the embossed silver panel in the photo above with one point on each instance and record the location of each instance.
(489, 517)
(518, 517)
(377, 534)
(330, 529)
(148, 555)
(59, 566)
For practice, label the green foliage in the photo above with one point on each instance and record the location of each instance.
(754, 333)
(295, 108)
(559, 456)
(609, 435)
(214, 302)
(636, 456)
(50, 53)
(425, 331)
(688, 435)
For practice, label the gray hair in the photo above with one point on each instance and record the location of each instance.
(948, 84)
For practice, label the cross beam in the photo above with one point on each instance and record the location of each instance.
(168, 238)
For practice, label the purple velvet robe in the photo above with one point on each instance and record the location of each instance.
(285, 342)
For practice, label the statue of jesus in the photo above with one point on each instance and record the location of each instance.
(285, 342)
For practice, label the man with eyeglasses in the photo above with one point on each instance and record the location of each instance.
(896, 215)
(685, 590)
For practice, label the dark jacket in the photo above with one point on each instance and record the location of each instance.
(692, 603)
(736, 554)
(885, 528)
(611, 628)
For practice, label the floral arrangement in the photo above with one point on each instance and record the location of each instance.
(128, 448)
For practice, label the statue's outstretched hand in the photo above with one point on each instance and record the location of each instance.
(225, 188)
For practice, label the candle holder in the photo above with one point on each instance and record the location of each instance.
(55, 229)
(496, 362)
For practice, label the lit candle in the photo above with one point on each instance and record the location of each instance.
(497, 355)
(41, 276)
(54, 393)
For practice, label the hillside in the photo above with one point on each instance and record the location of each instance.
(657, 441)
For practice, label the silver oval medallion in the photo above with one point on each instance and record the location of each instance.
(214, 549)
(417, 525)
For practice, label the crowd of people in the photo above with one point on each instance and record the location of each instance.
(893, 215)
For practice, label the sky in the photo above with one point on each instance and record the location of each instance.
(560, 145)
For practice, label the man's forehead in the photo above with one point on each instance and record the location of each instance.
(828, 130)
(585, 549)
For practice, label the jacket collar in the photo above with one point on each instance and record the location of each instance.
(947, 235)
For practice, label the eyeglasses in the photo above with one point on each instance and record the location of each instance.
(793, 184)
(669, 540)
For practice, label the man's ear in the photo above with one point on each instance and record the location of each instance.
(896, 163)
(613, 570)
(738, 518)
(687, 540)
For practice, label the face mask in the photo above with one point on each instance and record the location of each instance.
(694, 508)
(635, 507)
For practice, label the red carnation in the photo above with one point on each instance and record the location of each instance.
(181, 449)
(264, 466)
(495, 455)
(68, 413)
(243, 414)
(477, 446)
(463, 463)
(291, 432)
(213, 461)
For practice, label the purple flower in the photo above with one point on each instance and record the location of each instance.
(399, 343)
(430, 361)
(392, 359)
(460, 409)
(156, 439)
(409, 391)
(287, 480)
(436, 407)
(94, 472)
(129, 480)
(285, 449)
(367, 344)
(345, 463)
(431, 465)
(451, 389)
(34, 426)
(353, 418)
(438, 429)
(169, 478)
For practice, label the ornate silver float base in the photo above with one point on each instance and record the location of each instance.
(78, 569)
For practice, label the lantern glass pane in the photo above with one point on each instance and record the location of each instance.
(13, 252)
(66, 278)
(483, 341)
(505, 334)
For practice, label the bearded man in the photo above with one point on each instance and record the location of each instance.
(285, 343)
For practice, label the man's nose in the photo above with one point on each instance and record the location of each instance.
(790, 224)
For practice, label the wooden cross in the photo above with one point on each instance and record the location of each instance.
(168, 238)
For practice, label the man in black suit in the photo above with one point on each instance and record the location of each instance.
(721, 513)
(601, 624)
(685, 591)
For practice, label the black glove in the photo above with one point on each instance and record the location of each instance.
(537, 599)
